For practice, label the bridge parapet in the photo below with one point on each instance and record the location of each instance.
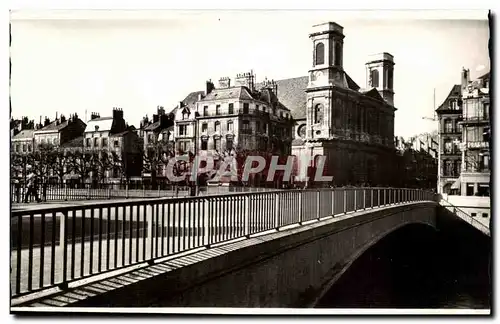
(56, 248)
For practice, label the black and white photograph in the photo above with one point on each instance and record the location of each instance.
(250, 161)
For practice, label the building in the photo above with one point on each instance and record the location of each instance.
(476, 136)
(157, 136)
(464, 129)
(117, 145)
(449, 115)
(22, 140)
(352, 127)
(58, 131)
(234, 119)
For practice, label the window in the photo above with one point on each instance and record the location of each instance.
(29, 147)
(217, 110)
(231, 108)
(374, 78)
(54, 141)
(217, 143)
(185, 115)
(257, 107)
(486, 111)
(24, 147)
(485, 215)
(390, 78)
(116, 144)
(105, 142)
(96, 142)
(229, 144)
(459, 127)
(245, 108)
(318, 113)
(448, 146)
(182, 129)
(338, 54)
(473, 214)
(183, 146)
(16, 148)
(230, 126)
(320, 54)
(204, 127)
(246, 124)
(204, 144)
(217, 126)
(257, 126)
(470, 191)
(205, 110)
(87, 142)
(264, 109)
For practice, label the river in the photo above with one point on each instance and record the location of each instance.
(418, 267)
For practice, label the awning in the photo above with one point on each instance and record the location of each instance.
(456, 184)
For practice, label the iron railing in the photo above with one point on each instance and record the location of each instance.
(115, 191)
(52, 247)
(466, 217)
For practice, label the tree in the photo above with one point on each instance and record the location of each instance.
(40, 161)
(101, 162)
(156, 155)
(81, 163)
(59, 160)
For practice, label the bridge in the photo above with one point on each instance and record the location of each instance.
(262, 249)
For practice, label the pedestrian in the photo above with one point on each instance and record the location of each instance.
(31, 186)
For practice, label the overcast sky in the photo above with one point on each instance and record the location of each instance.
(95, 61)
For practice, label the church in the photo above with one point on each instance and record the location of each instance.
(352, 128)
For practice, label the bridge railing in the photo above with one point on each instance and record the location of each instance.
(466, 217)
(53, 247)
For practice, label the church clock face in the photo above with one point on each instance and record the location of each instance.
(302, 131)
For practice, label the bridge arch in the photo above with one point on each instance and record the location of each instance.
(364, 249)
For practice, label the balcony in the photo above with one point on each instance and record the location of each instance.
(471, 120)
(239, 111)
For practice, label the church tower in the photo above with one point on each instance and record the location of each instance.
(327, 71)
(380, 75)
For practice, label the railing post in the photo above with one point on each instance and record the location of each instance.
(355, 200)
(66, 193)
(149, 220)
(333, 202)
(88, 192)
(126, 190)
(318, 201)
(300, 207)
(276, 210)
(364, 199)
(345, 201)
(395, 200)
(371, 198)
(109, 193)
(247, 216)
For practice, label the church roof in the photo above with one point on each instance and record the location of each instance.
(373, 93)
(292, 94)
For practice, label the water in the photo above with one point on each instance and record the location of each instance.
(417, 267)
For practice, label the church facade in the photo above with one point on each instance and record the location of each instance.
(352, 128)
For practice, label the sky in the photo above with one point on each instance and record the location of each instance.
(92, 61)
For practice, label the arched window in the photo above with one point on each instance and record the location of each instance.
(374, 78)
(320, 54)
(338, 54)
(318, 113)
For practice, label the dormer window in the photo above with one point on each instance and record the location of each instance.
(96, 128)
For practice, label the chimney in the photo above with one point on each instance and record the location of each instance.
(160, 110)
(209, 87)
(155, 118)
(63, 118)
(117, 113)
(94, 115)
(245, 80)
(465, 78)
(224, 82)
(46, 122)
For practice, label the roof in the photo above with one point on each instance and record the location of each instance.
(24, 134)
(76, 142)
(189, 101)
(103, 124)
(485, 76)
(373, 93)
(152, 126)
(239, 92)
(454, 93)
(292, 94)
(53, 126)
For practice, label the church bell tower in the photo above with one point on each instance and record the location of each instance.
(380, 75)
